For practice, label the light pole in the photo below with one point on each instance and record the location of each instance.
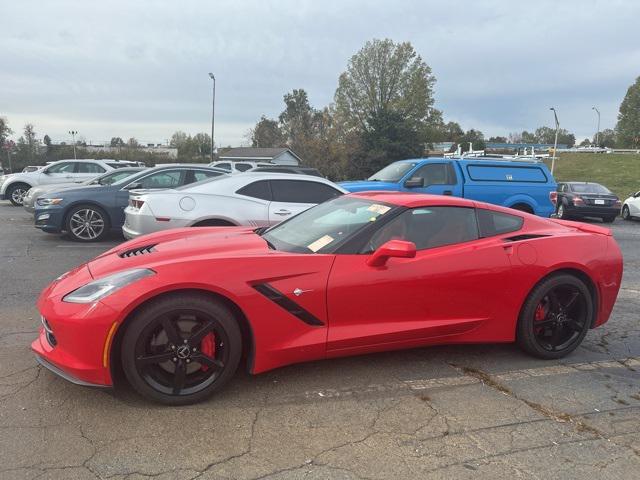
(555, 144)
(73, 134)
(598, 130)
(213, 112)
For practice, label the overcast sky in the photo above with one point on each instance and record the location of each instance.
(125, 68)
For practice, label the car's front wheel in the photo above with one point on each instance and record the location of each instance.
(555, 317)
(180, 349)
(87, 223)
(17, 192)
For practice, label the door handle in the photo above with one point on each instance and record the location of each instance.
(283, 212)
(447, 192)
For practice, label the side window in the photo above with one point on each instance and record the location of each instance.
(243, 167)
(87, 167)
(435, 174)
(429, 227)
(165, 179)
(199, 175)
(224, 166)
(259, 189)
(302, 191)
(496, 223)
(67, 167)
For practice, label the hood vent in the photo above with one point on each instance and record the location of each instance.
(134, 252)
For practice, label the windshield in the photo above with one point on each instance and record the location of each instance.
(393, 172)
(325, 226)
(589, 188)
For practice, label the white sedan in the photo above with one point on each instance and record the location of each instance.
(631, 207)
(251, 199)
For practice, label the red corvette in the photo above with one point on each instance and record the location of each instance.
(178, 311)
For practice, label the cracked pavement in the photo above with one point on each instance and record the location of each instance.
(483, 411)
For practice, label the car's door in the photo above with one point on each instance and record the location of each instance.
(456, 283)
(63, 172)
(291, 197)
(437, 178)
(87, 170)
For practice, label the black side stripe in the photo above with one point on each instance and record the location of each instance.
(289, 305)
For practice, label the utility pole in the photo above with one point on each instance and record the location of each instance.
(213, 112)
(73, 134)
(555, 144)
(598, 130)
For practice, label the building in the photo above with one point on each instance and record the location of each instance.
(280, 156)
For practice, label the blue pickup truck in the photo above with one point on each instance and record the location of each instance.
(522, 185)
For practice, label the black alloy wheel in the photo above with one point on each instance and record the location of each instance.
(556, 317)
(180, 350)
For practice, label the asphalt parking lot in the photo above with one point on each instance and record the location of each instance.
(485, 411)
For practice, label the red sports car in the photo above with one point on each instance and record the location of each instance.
(178, 311)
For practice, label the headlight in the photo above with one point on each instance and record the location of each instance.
(43, 202)
(94, 291)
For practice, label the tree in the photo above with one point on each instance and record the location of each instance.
(515, 137)
(528, 137)
(178, 139)
(5, 131)
(628, 127)
(385, 79)
(585, 143)
(116, 142)
(546, 135)
(475, 137)
(606, 138)
(133, 143)
(202, 145)
(267, 133)
(497, 140)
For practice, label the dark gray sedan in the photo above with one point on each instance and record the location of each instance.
(89, 213)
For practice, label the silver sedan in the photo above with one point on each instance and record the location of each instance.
(252, 199)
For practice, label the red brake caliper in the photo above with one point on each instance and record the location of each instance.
(540, 313)
(208, 347)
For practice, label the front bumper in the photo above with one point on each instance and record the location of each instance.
(49, 219)
(78, 342)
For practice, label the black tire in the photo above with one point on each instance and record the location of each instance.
(608, 219)
(214, 223)
(16, 193)
(190, 373)
(95, 227)
(561, 212)
(626, 215)
(559, 309)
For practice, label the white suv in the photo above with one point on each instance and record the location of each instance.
(14, 187)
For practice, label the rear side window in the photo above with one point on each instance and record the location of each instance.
(301, 191)
(86, 167)
(498, 173)
(121, 164)
(62, 168)
(496, 223)
(258, 189)
(224, 166)
(436, 174)
(243, 167)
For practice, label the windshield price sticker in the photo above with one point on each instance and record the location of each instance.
(379, 209)
(321, 242)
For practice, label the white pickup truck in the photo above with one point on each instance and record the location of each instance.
(14, 187)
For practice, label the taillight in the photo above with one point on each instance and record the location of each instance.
(578, 201)
(618, 203)
(553, 196)
(136, 203)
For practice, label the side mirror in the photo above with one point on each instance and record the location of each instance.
(415, 182)
(133, 186)
(392, 249)
(46, 172)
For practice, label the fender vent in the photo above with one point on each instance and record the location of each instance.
(134, 252)
(529, 236)
(289, 305)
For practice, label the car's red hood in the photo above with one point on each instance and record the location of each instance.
(179, 245)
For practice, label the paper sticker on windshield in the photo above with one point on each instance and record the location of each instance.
(321, 242)
(379, 209)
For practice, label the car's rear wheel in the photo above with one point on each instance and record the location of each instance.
(87, 223)
(180, 349)
(626, 215)
(17, 192)
(555, 317)
(561, 212)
